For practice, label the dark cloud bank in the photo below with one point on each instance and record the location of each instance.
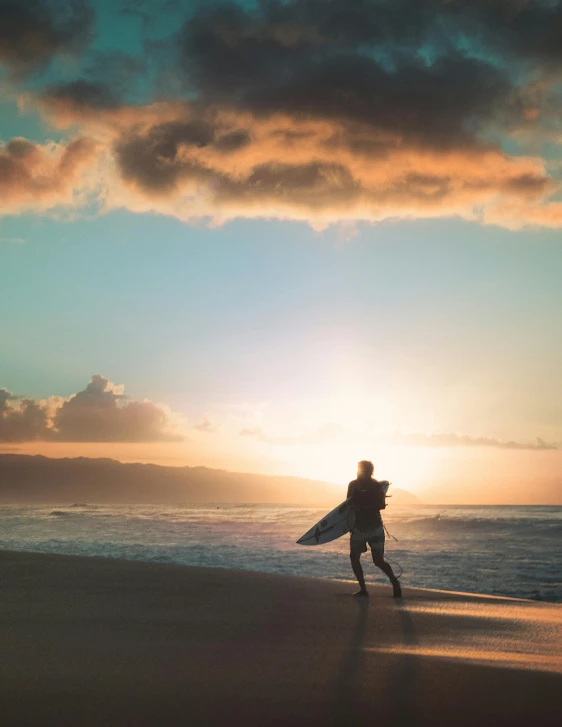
(327, 109)
(33, 32)
(99, 413)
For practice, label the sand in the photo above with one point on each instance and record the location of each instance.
(88, 641)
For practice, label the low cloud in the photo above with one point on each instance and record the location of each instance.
(21, 419)
(207, 425)
(318, 436)
(330, 431)
(99, 413)
(464, 440)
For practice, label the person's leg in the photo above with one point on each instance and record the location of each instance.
(380, 562)
(355, 557)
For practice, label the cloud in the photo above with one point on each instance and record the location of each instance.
(207, 425)
(257, 433)
(99, 413)
(256, 62)
(319, 436)
(43, 176)
(81, 94)
(26, 422)
(332, 111)
(463, 440)
(333, 431)
(285, 167)
(189, 162)
(92, 91)
(32, 32)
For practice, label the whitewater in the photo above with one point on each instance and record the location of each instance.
(507, 551)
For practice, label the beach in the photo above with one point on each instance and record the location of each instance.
(92, 641)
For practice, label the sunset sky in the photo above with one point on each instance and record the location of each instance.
(280, 237)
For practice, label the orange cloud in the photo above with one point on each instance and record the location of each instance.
(190, 162)
(43, 176)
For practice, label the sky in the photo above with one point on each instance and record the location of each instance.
(280, 237)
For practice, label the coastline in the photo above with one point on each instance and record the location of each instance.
(504, 553)
(89, 640)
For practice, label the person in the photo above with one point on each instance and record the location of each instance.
(367, 500)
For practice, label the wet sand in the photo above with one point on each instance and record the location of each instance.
(88, 641)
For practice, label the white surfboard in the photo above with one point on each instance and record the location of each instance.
(336, 523)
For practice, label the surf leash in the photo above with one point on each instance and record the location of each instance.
(390, 535)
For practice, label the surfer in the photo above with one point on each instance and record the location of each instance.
(368, 499)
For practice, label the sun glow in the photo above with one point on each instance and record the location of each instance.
(406, 467)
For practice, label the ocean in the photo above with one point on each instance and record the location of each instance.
(508, 551)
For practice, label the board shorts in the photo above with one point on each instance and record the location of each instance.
(374, 538)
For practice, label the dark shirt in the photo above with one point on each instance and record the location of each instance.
(367, 498)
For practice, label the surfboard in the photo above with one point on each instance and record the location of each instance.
(336, 523)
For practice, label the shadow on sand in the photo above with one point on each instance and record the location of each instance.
(346, 709)
(402, 680)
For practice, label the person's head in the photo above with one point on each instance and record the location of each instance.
(365, 468)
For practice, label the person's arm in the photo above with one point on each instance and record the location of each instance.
(349, 489)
